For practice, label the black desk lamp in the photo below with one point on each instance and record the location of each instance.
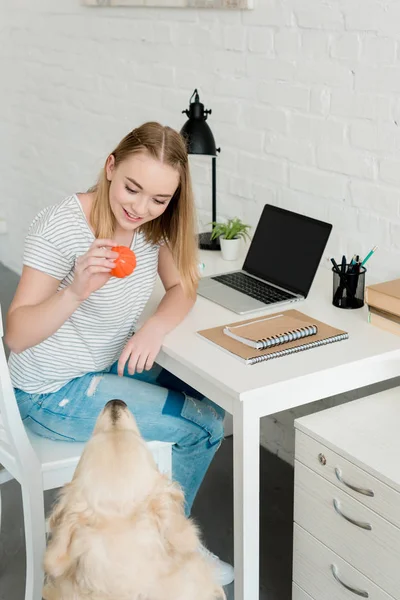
(200, 140)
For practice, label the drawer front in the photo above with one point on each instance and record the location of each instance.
(313, 565)
(299, 594)
(374, 552)
(385, 500)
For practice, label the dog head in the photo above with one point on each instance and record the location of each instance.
(116, 471)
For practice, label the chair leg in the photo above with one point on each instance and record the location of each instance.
(4, 477)
(35, 539)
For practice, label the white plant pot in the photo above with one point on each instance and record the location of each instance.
(230, 248)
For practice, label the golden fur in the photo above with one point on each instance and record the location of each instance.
(119, 531)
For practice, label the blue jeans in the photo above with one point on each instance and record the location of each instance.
(165, 408)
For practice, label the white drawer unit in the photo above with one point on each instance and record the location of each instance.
(347, 501)
(367, 541)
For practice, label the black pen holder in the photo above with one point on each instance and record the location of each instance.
(348, 287)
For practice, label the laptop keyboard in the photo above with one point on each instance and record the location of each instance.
(253, 287)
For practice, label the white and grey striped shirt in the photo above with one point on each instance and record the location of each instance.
(95, 334)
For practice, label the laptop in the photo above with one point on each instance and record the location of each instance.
(280, 265)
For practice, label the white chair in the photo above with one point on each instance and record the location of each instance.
(39, 464)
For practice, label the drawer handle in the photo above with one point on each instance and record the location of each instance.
(355, 591)
(364, 491)
(353, 521)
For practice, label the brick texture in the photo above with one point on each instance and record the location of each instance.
(305, 101)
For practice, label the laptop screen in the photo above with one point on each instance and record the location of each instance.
(286, 249)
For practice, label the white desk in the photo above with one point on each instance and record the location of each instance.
(251, 392)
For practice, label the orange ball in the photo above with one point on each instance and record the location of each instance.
(125, 263)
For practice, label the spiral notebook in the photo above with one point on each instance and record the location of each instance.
(326, 334)
(270, 331)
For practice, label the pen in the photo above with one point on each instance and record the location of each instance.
(343, 280)
(333, 261)
(343, 264)
(353, 264)
(370, 253)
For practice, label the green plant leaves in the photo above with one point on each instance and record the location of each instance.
(233, 228)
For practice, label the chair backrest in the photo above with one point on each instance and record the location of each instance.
(16, 452)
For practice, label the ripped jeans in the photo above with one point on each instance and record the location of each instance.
(165, 408)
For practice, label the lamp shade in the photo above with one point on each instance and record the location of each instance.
(198, 135)
(200, 140)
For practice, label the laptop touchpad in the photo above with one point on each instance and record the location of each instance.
(231, 299)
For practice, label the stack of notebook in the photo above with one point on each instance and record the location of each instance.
(383, 301)
(256, 340)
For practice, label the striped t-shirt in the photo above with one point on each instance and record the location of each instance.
(94, 336)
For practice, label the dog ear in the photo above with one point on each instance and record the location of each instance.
(57, 559)
(59, 507)
(167, 499)
(66, 516)
(167, 508)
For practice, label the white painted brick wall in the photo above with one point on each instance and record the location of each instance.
(306, 108)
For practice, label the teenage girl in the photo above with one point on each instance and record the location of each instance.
(71, 325)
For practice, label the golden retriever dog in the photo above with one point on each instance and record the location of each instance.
(118, 530)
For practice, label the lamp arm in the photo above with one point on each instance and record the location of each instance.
(214, 189)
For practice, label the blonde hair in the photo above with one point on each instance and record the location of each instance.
(176, 226)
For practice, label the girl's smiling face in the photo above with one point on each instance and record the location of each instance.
(141, 188)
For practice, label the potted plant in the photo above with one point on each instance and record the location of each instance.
(230, 234)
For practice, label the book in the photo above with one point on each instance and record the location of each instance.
(384, 296)
(270, 331)
(250, 356)
(383, 320)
